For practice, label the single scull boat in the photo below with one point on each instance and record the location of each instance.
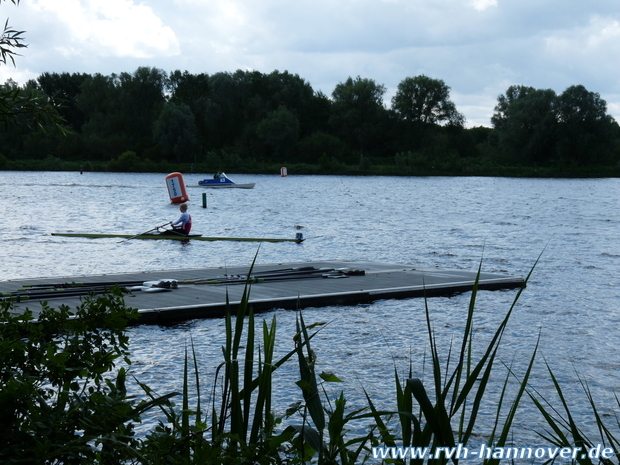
(182, 237)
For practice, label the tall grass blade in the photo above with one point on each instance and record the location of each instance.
(486, 363)
(248, 374)
(309, 386)
(467, 339)
(501, 442)
(604, 432)
(262, 414)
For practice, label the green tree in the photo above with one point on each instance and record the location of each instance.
(103, 132)
(358, 113)
(585, 128)
(426, 100)
(318, 113)
(10, 40)
(526, 121)
(224, 108)
(175, 131)
(193, 90)
(186, 88)
(284, 89)
(280, 131)
(20, 105)
(320, 143)
(65, 89)
(142, 99)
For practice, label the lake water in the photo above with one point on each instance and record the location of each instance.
(572, 300)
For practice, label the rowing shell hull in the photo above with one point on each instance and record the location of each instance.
(196, 237)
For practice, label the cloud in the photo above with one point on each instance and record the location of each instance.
(482, 5)
(108, 28)
(591, 52)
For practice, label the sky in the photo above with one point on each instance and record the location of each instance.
(479, 48)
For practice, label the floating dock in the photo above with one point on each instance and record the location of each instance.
(202, 293)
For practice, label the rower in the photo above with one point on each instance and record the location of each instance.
(184, 223)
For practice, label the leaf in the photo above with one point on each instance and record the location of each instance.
(330, 378)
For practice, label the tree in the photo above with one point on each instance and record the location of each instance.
(585, 128)
(284, 89)
(526, 122)
(142, 99)
(319, 143)
(10, 40)
(358, 113)
(175, 131)
(19, 105)
(426, 100)
(103, 131)
(224, 108)
(280, 131)
(187, 88)
(65, 89)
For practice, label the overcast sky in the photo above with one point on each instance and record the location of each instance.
(478, 47)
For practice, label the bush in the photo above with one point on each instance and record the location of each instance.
(58, 400)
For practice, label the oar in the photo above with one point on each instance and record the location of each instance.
(266, 273)
(327, 273)
(73, 284)
(43, 293)
(146, 232)
(77, 286)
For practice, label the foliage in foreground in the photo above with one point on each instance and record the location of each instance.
(59, 400)
(63, 401)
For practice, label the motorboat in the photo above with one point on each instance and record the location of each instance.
(220, 180)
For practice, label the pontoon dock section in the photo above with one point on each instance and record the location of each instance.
(202, 293)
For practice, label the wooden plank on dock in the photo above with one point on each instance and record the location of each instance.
(201, 293)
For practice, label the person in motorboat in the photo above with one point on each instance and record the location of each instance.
(184, 223)
(218, 175)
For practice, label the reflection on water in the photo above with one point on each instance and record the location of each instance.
(572, 299)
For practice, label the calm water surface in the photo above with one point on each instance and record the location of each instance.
(572, 300)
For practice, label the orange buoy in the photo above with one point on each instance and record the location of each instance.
(176, 188)
(283, 171)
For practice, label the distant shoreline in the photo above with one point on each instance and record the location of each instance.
(294, 169)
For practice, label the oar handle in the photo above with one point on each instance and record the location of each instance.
(145, 232)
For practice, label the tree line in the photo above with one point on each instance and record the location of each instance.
(248, 121)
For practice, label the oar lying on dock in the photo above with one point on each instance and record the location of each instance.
(77, 289)
(50, 291)
(278, 275)
(260, 276)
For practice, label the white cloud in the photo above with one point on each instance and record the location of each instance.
(482, 5)
(587, 55)
(600, 35)
(112, 28)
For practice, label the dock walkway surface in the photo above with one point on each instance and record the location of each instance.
(202, 293)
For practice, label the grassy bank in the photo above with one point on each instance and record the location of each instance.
(470, 167)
